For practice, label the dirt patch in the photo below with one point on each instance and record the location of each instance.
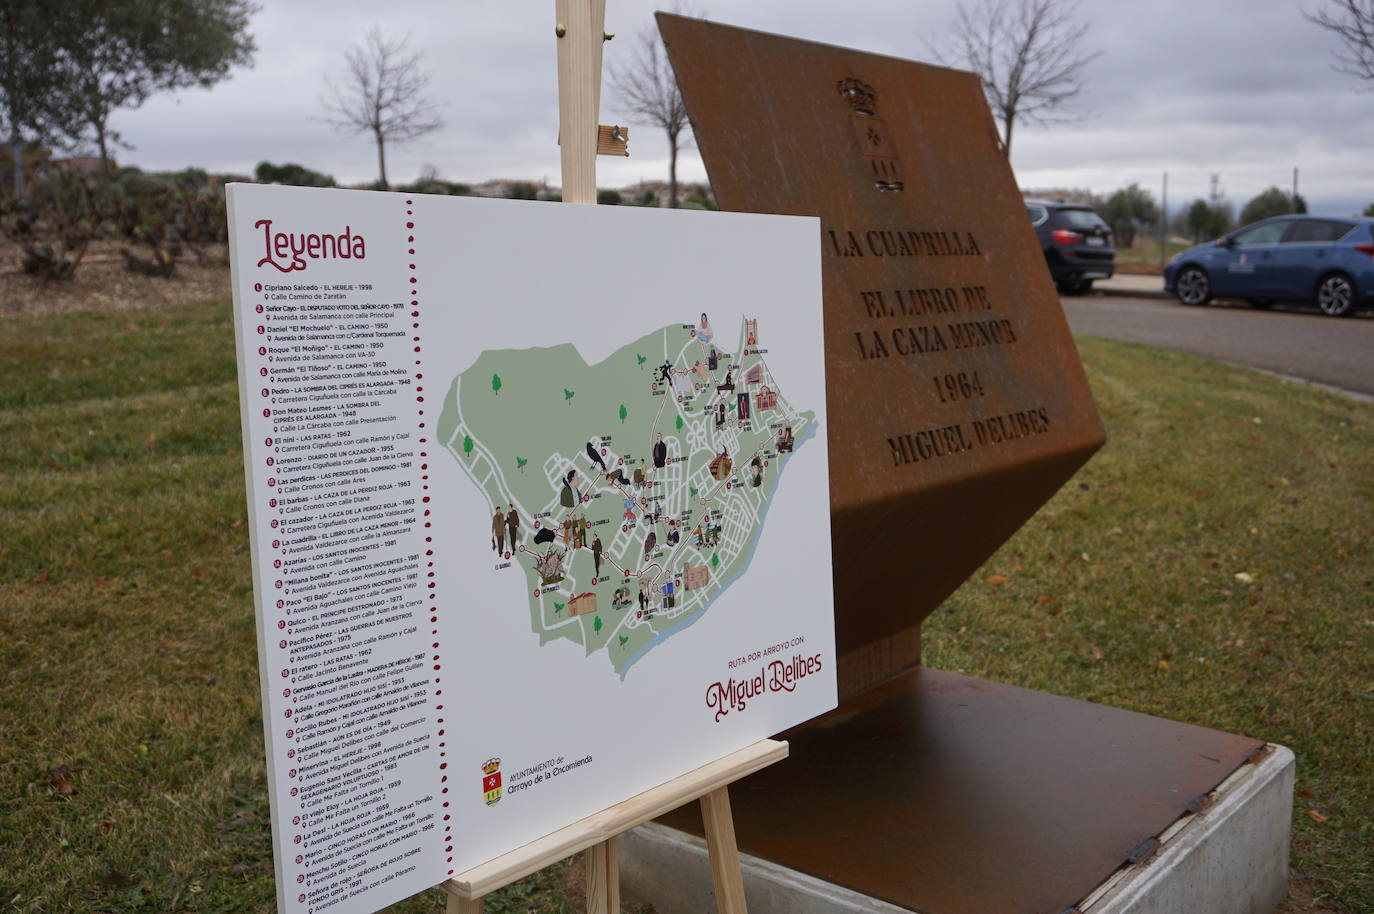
(1305, 897)
(102, 283)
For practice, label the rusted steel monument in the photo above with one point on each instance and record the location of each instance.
(958, 405)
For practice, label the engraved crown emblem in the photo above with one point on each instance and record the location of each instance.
(859, 94)
(491, 765)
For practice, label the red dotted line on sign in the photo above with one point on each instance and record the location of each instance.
(430, 587)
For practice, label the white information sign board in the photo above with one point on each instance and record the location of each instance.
(539, 509)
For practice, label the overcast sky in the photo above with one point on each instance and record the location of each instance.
(1241, 88)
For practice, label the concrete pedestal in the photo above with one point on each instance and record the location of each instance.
(942, 794)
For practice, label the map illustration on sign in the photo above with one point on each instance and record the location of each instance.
(629, 493)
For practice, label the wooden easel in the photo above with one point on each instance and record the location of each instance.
(581, 31)
(597, 833)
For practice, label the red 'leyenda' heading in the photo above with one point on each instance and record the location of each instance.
(292, 249)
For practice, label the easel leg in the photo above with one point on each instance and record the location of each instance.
(457, 905)
(720, 842)
(603, 878)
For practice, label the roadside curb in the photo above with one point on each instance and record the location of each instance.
(1132, 286)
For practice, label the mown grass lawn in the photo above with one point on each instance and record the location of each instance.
(1213, 564)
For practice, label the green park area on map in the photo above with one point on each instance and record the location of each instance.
(639, 485)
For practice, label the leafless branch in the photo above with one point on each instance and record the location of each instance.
(382, 94)
(1352, 21)
(646, 88)
(1029, 55)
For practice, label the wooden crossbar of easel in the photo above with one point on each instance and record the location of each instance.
(597, 834)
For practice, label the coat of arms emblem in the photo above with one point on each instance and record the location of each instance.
(491, 781)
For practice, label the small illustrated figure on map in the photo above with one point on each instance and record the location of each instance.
(593, 453)
(550, 567)
(727, 384)
(545, 535)
(720, 414)
(513, 525)
(742, 406)
(616, 477)
(580, 532)
(785, 439)
(704, 331)
(757, 466)
(641, 473)
(629, 508)
(567, 498)
(712, 360)
(751, 331)
(665, 372)
(621, 599)
(498, 532)
(660, 453)
(674, 534)
(668, 591)
(596, 556)
(565, 528)
(650, 543)
(699, 370)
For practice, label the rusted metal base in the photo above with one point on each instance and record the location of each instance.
(946, 794)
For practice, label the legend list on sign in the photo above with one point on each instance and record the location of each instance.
(337, 471)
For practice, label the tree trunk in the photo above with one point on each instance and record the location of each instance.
(104, 151)
(1008, 122)
(672, 169)
(17, 155)
(381, 160)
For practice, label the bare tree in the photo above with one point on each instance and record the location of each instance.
(1352, 21)
(646, 88)
(1029, 55)
(383, 95)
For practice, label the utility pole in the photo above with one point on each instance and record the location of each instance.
(1295, 188)
(1164, 222)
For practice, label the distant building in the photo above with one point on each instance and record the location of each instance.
(766, 399)
(754, 374)
(751, 331)
(1059, 194)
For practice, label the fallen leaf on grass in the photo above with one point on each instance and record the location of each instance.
(1245, 577)
(61, 780)
(998, 579)
(107, 826)
(1315, 816)
(1165, 665)
(1307, 794)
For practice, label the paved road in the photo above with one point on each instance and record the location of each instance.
(1338, 352)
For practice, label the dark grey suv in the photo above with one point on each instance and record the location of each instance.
(1076, 241)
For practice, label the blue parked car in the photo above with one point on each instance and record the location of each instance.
(1287, 258)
